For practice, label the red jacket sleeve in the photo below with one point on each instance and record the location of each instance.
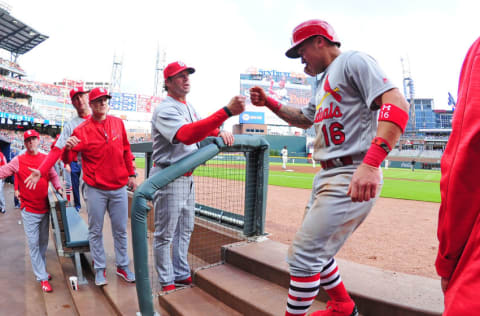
(197, 131)
(459, 187)
(51, 159)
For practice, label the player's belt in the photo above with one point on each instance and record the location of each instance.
(336, 162)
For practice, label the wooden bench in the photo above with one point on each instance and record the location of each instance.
(70, 231)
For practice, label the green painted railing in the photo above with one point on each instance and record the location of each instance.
(256, 150)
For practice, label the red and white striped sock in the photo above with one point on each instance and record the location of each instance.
(332, 282)
(301, 294)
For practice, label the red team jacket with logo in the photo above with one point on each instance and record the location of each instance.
(106, 154)
(459, 217)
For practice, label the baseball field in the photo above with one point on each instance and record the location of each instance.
(399, 183)
(399, 234)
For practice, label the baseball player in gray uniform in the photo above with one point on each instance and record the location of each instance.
(79, 98)
(176, 131)
(350, 145)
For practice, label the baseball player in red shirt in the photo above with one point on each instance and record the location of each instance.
(458, 259)
(34, 203)
(350, 145)
(107, 171)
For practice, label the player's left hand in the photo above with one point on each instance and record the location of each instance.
(227, 137)
(364, 184)
(60, 191)
(132, 183)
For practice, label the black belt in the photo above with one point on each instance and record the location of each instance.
(336, 162)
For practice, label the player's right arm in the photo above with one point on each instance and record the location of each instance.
(195, 132)
(289, 114)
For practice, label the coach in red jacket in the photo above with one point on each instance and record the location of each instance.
(107, 171)
(458, 260)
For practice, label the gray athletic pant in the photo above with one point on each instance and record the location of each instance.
(116, 203)
(174, 221)
(36, 230)
(330, 218)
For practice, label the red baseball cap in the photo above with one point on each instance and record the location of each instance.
(176, 67)
(76, 91)
(30, 133)
(97, 93)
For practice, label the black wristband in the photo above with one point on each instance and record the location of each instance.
(229, 113)
(132, 176)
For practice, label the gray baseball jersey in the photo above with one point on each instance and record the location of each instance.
(67, 131)
(343, 109)
(167, 119)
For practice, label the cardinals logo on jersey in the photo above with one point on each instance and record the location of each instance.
(330, 111)
(329, 91)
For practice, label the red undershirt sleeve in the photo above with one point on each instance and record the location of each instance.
(197, 131)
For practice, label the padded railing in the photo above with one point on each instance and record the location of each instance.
(256, 150)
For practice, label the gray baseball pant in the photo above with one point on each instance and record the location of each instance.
(36, 230)
(116, 203)
(330, 218)
(174, 222)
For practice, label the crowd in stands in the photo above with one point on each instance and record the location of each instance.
(17, 143)
(140, 139)
(29, 87)
(10, 106)
(10, 64)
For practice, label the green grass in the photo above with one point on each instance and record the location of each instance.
(419, 174)
(421, 185)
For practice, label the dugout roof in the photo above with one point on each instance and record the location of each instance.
(17, 37)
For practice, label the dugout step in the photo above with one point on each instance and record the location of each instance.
(245, 292)
(88, 299)
(375, 291)
(194, 301)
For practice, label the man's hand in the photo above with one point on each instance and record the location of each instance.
(33, 178)
(132, 184)
(258, 96)
(60, 191)
(444, 283)
(236, 105)
(227, 137)
(17, 194)
(72, 141)
(68, 168)
(365, 181)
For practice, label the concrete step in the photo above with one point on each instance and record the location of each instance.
(375, 291)
(121, 295)
(194, 301)
(59, 302)
(88, 299)
(245, 292)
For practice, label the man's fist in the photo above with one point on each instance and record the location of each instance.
(258, 96)
(236, 105)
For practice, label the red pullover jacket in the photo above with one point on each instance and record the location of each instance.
(106, 154)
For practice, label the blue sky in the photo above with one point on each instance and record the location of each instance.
(222, 38)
